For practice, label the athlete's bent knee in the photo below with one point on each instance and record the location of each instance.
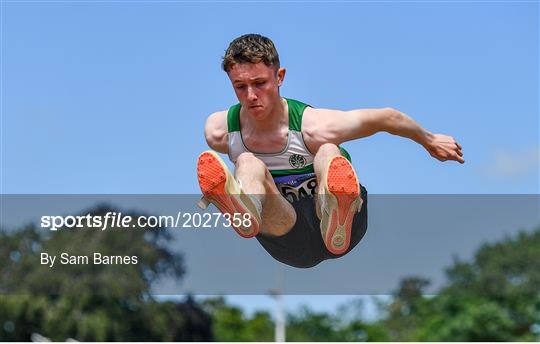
(328, 149)
(248, 158)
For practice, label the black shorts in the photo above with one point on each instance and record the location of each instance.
(303, 246)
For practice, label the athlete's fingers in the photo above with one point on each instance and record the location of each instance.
(440, 158)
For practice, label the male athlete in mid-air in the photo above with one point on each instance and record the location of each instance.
(292, 179)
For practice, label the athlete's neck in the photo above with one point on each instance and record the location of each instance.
(278, 115)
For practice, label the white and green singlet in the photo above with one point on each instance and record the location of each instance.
(292, 168)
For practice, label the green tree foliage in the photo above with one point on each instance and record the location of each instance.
(230, 324)
(93, 302)
(495, 297)
(345, 325)
(406, 311)
(308, 326)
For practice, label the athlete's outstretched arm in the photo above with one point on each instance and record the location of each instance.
(324, 125)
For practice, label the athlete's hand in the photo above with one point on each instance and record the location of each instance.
(444, 148)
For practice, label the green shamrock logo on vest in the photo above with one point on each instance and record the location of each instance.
(297, 161)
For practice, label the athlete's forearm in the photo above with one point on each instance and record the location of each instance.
(398, 123)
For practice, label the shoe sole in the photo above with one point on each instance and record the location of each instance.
(342, 196)
(221, 189)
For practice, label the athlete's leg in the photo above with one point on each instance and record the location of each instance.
(338, 197)
(278, 215)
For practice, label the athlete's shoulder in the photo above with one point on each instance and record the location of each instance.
(318, 127)
(215, 131)
(315, 119)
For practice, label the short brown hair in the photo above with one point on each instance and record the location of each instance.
(250, 48)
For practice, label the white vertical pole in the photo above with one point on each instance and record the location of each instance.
(280, 319)
(277, 294)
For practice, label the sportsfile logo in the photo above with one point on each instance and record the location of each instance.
(103, 222)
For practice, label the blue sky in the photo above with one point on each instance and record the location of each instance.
(111, 97)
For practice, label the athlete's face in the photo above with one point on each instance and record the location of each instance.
(257, 87)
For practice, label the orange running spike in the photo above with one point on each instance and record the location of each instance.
(221, 189)
(340, 201)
